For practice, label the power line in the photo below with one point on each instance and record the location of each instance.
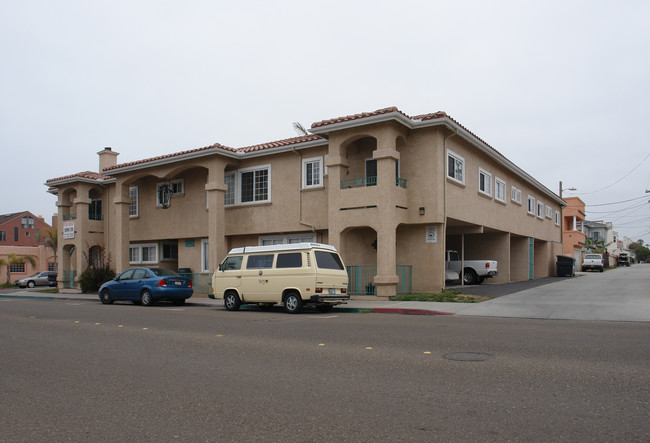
(607, 187)
(622, 201)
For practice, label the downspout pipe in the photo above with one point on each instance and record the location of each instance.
(444, 219)
(300, 220)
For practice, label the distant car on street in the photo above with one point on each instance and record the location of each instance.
(45, 278)
(146, 286)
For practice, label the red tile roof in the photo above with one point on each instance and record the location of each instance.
(175, 154)
(280, 143)
(357, 116)
(86, 174)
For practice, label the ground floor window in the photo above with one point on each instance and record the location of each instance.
(205, 255)
(17, 267)
(143, 253)
(268, 240)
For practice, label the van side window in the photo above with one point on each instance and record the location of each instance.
(232, 264)
(289, 260)
(328, 260)
(259, 261)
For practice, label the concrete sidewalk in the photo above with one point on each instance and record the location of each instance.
(590, 296)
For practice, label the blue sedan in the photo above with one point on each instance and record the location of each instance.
(146, 286)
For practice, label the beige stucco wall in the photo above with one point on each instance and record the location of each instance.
(349, 218)
(41, 255)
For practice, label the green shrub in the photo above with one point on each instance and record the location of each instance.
(92, 278)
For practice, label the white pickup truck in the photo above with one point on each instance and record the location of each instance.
(474, 272)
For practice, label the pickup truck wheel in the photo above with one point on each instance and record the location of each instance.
(293, 303)
(469, 276)
(231, 301)
(601, 269)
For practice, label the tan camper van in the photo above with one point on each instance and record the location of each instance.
(294, 275)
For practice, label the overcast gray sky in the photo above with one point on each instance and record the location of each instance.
(561, 88)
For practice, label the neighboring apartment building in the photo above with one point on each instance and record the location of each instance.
(390, 191)
(573, 237)
(21, 234)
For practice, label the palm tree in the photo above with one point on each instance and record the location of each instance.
(13, 259)
(52, 240)
(596, 246)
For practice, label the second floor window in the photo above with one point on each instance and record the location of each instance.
(133, 206)
(515, 195)
(531, 205)
(500, 189)
(484, 182)
(95, 210)
(455, 167)
(312, 172)
(254, 185)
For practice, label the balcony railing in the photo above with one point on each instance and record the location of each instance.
(361, 279)
(368, 181)
(69, 216)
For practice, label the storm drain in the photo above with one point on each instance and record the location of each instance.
(467, 356)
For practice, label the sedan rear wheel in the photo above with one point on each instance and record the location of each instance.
(146, 298)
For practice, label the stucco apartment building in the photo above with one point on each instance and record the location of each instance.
(22, 234)
(392, 192)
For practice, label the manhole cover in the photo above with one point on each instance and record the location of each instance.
(467, 356)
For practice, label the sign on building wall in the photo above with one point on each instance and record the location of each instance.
(432, 234)
(68, 230)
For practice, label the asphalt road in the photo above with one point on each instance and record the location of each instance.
(82, 371)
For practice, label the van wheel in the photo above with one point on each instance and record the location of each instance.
(470, 277)
(325, 307)
(231, 301)
(293, 303)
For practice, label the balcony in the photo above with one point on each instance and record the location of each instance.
(368, 181)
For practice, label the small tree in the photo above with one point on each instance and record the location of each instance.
(595, 246)
(13, 259)
(98, 270)
(52, 241)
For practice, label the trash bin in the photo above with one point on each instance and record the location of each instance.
(564, 266)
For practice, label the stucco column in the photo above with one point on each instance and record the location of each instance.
(121, 227)
(80, 205)
(386, 279)
(216, 220)
(337, 166)
(61, 204)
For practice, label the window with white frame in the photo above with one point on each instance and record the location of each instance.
(287, 239)
(177, 187)
(143, 253)
(515, 195)
(499, 189)
(205, 255)
(557, 218)
(485, 182)
(531, 205)
(540, 209)
(133, 206)
(549, 212)
(455, 167)
(312, 172)
(255, 184)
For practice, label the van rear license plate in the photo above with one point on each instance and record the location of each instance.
(332, 291)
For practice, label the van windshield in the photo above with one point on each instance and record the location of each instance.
(328, 260)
